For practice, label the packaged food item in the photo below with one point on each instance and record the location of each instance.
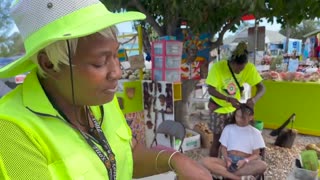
(309, 160)
(314, 147)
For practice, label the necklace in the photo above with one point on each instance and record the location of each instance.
(87, 118)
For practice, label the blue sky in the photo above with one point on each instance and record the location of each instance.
(269, 26)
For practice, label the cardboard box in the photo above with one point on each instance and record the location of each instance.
(189, 143)
(206, 134)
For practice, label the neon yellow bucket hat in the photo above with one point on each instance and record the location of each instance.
(42, 22)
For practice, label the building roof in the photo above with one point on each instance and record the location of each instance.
(271, 37)
(311, 33)
(274, 37)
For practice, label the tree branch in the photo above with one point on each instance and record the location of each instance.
(146, 41)
(171, 18)
(149, 18)
(225, 28)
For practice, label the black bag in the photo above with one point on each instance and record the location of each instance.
(286, 136)
(235, 79)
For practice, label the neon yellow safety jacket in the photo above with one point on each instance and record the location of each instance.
(37, 143)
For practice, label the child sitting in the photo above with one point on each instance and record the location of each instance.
(240, 149)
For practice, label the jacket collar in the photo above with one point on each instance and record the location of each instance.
(34, 97)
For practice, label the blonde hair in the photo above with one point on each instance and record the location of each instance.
(240, 49)
(57, 52)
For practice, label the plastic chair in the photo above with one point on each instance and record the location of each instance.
(172, 128)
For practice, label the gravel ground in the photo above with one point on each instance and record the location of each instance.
(280, 160)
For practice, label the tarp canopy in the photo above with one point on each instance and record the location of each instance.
(248, 17)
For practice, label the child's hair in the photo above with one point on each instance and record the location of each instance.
(245, 109)
(240, 54)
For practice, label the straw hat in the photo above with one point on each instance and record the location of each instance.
(42, 22)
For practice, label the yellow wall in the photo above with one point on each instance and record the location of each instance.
(284, 98)
(134, 104)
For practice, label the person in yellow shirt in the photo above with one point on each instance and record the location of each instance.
(225, 85)
(64, 121)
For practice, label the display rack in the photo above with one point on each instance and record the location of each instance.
(166, 60)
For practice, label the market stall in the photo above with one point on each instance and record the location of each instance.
(292, 86)
(147, 103)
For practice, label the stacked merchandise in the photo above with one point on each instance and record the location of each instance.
(290, 68)
(135, 74)
(129, 71)
(291, 76)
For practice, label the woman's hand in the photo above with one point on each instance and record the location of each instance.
(188, 169)
(235, 103)
(251, 102)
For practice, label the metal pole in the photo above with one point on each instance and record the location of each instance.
(256, 26)
(140, 44)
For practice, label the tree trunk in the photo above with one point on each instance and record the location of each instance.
(225, 28)
(181, 107)
(149, 18)
(146, 41)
